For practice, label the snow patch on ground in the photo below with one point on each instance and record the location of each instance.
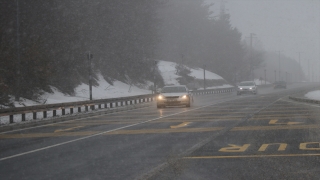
(168, 72)
(218, 87)
(260, 82)
(313, 95)
(103, 91)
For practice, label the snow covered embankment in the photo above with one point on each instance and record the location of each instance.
(168, 73)
(315, 95)
(118, 89)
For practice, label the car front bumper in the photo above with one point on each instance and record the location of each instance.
(173, 102)
(242, 91)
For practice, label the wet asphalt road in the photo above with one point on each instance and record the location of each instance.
(222, 136)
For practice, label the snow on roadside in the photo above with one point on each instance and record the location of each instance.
(103, 91)
(168, 70)
(313, 95)
(260, 82)
(218, 87)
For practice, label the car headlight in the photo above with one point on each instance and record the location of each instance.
(160, 97)
(184, 97)
(240, 88)
(250, 88)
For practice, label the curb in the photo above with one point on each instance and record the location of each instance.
(40, 122)
(304, 100)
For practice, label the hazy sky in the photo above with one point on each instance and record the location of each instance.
(290, 26)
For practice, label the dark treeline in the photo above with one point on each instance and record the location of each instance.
(191, 35)
(48, 44)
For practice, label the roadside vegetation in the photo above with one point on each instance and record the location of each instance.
(48, 44)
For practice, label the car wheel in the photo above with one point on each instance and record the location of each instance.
(189, 104)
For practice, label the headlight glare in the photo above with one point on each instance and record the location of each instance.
(184, 96)
(160, 97)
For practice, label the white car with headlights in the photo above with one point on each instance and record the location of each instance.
(174, 96)
(247, 87)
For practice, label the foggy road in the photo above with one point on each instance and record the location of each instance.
(222, 136)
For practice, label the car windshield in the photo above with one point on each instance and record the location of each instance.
(246, 84)
(173, 89)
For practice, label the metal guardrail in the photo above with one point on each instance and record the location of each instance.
(213, 91)
(101, 103)
(106, 103)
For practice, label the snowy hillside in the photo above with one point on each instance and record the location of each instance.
(103, 91)
(118, 89)
(168, 71)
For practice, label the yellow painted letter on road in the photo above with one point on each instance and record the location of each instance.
(282, 146)
(303, 146)
(235, 148)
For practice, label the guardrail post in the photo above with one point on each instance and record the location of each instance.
(99, 106)
(121, 103)
(71, 110)
(126, 103)
(44, 114)
(92, 107)
(111, 104)
(11, 118)
(54, 112)
(23, 117)
(34, 115)
(86, 107)
(63, 111)
(79, 109)
(105, 105)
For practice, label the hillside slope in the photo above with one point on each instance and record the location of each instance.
(120, 89)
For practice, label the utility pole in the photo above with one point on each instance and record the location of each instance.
(17, 90)
(265, 76)
(309, 69)
(251, 57)
(279, 66)
(204, 77)
(300, 76)
(89, 56)
(154, 76)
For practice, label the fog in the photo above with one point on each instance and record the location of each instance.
(289, 26)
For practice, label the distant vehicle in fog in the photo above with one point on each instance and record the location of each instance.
(280, 84)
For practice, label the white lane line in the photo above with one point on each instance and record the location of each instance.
(82, 138)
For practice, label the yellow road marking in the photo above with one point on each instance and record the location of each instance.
(275, 122)
(180, 125)
(68, 129)
(282, 146)
(235, 148)
(250, 156)
(263, 128)
(153, 131)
